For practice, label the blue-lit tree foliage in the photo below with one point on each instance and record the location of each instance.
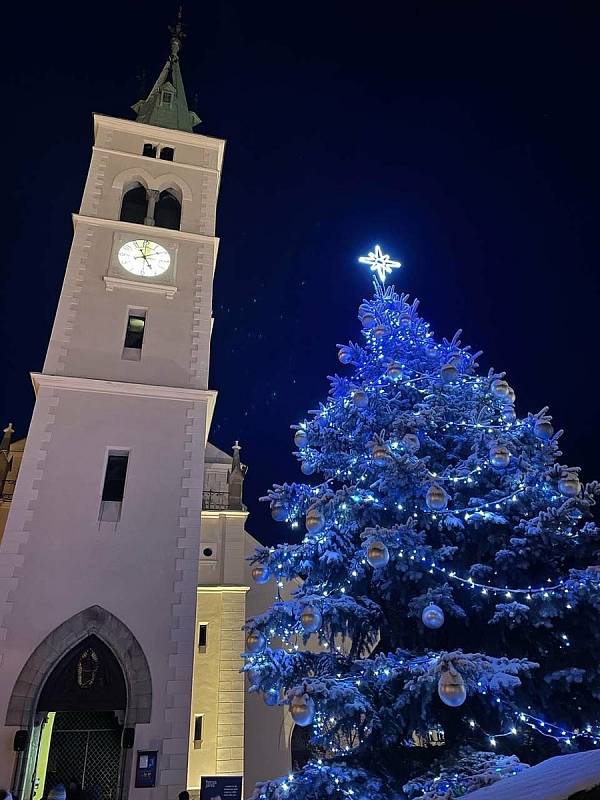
(444, 610)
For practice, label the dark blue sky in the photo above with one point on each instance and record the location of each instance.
(461, 135)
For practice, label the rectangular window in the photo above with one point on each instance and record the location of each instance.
(114, 478)
(149, 150)
(202, 636)
(134, 334)
(114, 487)
(167, 153)
(166, 98)
(198, 727)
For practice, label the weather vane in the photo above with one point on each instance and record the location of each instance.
(380, 263)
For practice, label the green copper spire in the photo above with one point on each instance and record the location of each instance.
(166, 105)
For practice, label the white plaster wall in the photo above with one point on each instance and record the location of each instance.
(58, 560)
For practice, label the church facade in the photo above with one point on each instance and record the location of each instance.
(123, 580)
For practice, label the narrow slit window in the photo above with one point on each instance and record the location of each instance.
(202, 636)
(149, 150)
(198, 727)
(134, 335)
(114, 478)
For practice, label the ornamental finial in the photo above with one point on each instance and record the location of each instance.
(380, 263)
(177, 34)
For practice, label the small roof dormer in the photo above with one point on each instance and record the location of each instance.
(166, 105)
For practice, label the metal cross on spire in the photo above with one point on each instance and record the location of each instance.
(380, 263)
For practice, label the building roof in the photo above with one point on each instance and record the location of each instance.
(212, 455)
(166, 105)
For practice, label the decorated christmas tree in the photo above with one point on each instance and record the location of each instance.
(442, 622)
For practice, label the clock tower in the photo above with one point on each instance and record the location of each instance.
(99, 559)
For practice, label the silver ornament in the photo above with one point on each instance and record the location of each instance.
(448, 373)
(451, 688)
(311, 619)
(436, 498)
(302, 710)
(379, 331)
(405, 318)
(368, 321)
(271, 697)
(500, 388)
(381, 455)
(344, 355)
(278, 511)
(508, 414)
(433, 616)
(411, 442)
(569, 485)
(511, 396)
(378, 555)
(255, 642)
(261, 574)
(359, 398)
(300, 438)
(315, 521)
(307, 467)
(500, 455)
(394, 371)
(543, 429)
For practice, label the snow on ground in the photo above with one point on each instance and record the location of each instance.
(555, 779)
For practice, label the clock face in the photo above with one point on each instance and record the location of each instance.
(145, 258)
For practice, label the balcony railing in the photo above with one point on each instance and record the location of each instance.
(215, 501)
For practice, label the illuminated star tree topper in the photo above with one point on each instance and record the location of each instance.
(380, 262)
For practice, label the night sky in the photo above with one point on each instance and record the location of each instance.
(463, 137)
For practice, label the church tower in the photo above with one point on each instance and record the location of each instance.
(99, 559)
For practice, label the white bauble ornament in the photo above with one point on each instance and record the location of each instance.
(379, 331)
(271, 697)
(359, 398)
(307, 467)
(499, 455)
(300, 438)
(433, 616)
(500, 389)
(411, 442)
(436, 498)
(405, 318)
(368, 321)
(364, 308)
(261, 574)
(378, 555)
(451, 688)
(315, 521)
(394, 371)
(302, 710)
(511, 396)
(448, 373)
(278, 511)
(255, 642)
(344, 355)
(381, 455)
(543, 429)
(311, 619)
(569, 485)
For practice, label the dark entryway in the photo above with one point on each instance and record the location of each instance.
(85, 754)
(84, 701)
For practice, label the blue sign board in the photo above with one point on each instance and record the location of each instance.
(145, 769)
(221, 788)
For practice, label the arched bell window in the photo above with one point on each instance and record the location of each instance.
(167, 211)
(135, 204)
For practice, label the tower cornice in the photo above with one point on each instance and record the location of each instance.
(77, 384)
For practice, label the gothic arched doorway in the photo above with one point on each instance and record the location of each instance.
(100, 685)
(83, 706)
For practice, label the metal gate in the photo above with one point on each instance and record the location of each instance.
(85, 750)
